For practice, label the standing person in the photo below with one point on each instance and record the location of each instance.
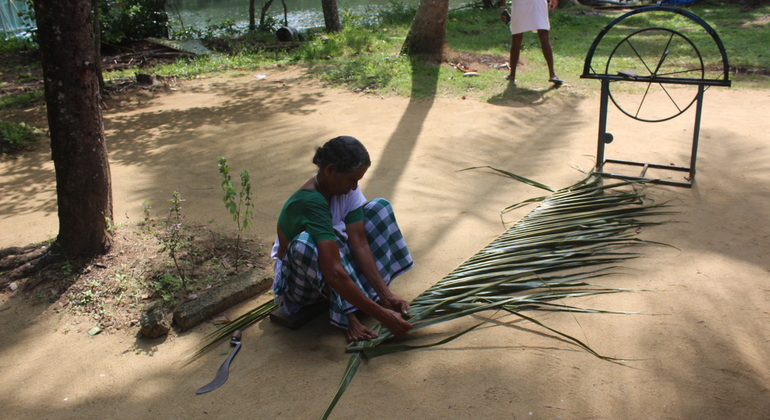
(334, 245)
(530, 15)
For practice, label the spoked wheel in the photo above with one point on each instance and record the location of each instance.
(658, 58)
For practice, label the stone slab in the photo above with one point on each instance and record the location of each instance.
(219, 298)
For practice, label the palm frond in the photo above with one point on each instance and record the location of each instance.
(239, 323)
(577, 234)
(514, 176)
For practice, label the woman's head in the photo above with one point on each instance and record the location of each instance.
(346, 153)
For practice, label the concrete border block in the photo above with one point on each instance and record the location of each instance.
(219, 298)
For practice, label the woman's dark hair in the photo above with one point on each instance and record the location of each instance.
(344, 152)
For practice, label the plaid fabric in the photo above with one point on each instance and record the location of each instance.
(385, 239)
(300, 282)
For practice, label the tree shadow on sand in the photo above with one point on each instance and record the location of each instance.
(391, 166)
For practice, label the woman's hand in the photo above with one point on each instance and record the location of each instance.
(393, 321)
(396, 304)
(553, 4)
(362, 255)
(338, 279)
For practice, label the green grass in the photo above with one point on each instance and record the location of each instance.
(15, 44)
(189, 68)
(16, 137)
(21, 100)
(367, 58)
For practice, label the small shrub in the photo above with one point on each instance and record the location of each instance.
(24, 99)
(174, 241)
(16, 137)
(16, 44)
(132, 20)
(398, 14)
(240, 209)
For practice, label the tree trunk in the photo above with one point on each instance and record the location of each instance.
(83, 185)
(97, 43)
(160, 6)
(264, 14)
(252, 20)
(331, 15)
(427, 35)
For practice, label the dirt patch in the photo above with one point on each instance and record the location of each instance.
(472, 62)
(21, 72)
(111, 291)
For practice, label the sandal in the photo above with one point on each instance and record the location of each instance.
(556, 80)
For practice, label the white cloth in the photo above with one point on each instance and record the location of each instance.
(529, 15)
(341, 205)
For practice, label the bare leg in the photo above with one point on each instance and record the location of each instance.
(545, 45)
(357, 331)
(515, 49)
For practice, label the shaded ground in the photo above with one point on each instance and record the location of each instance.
(110, 292)
(698, 334)
(20, 72)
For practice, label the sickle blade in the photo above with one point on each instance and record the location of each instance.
(224, 370)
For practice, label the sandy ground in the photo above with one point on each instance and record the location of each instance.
(700, 339)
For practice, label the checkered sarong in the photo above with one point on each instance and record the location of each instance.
(300, 282)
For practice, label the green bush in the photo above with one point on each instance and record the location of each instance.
(16, 137)
(398, 14)
(15, 44)
(132, 20)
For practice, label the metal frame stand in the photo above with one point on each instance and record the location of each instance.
(604, 137)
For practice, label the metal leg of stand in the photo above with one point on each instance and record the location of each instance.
(603, 107)
(696, 133)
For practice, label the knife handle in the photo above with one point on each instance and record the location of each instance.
(236, 336)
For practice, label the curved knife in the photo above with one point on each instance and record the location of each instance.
(224, 370)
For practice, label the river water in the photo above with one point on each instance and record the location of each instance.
(199, 14)
(301, 14)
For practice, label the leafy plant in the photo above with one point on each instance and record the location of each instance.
(14, 44)
(146, 209)
(174, 240)
(132, 20)
(16, 137)
(167, 285)
(240, 208)
(398, 14)
(26, 98)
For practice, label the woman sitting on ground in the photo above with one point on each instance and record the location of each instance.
(334, 245)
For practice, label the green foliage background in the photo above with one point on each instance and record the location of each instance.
(131, 20)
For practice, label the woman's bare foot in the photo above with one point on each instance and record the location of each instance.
(357, 331)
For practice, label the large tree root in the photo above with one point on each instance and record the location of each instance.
(19, 263)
